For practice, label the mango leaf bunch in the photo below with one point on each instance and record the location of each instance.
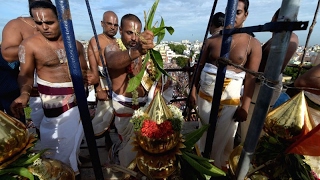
(194, 166)
(152, 56)
(21, 166)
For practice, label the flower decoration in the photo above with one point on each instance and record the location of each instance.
(277, 155)
(157, 120)
(158, 141)
(18, 159)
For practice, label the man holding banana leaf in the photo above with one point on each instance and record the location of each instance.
(125, 61)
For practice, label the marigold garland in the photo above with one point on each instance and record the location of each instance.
(151, 129)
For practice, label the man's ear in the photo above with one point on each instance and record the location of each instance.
(246, 15)
(120, 30)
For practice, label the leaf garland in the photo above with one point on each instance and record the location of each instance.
(20, 166)
(152, 55)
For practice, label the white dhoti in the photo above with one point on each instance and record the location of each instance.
(61, 129)
(104, 111)
(36, 114)
(226, 127)
(276, 94)
(103, 117)
(124, 127)
(35, 104)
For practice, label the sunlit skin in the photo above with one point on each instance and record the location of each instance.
(14, 32)
(47, 23)
(241, 15)
(243, 51)
(39, 53)
(118, 60)
(110, 26)
(129, 33)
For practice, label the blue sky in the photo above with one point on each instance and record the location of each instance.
(189, 18)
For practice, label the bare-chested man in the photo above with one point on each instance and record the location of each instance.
(104, 113)
(245, 50)
(61, 128)
(124, 61)
(13, 34)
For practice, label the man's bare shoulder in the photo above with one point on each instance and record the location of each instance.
(93, 40)
(248, 39)
(99, 36)
(18, 22)
(213, 41)
(33, 41)
(255, 42)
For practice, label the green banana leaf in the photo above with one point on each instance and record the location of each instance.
(26, 160)
(192, 137)
(158, 30)
(158, 62)
(21, 171)
(135, 81)
(151, 14)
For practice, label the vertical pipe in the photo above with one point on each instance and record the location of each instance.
(197, 68)
(307, 40)
(64, 16)
(288, 12)
(231, 12)
(109, 83)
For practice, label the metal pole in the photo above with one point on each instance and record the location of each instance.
(307, 40)
(64, 16)
(288, 12)
(204, 40)
(231, 12)
(109, 83)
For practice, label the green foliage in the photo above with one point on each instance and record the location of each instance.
(137, 122)
(178, 49)
(154, 56)
(182, 61)
(20, 166)
(171, 46)
(284, 166)
(192, 137)
(197, 57)
(27, 112)
(190, 162)
(293, 72)
(176, 124)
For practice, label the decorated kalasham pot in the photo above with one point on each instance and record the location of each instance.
(18, 161)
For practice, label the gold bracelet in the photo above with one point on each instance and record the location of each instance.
(25, 93)
(129, 53)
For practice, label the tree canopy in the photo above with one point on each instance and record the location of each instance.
(178, 49)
